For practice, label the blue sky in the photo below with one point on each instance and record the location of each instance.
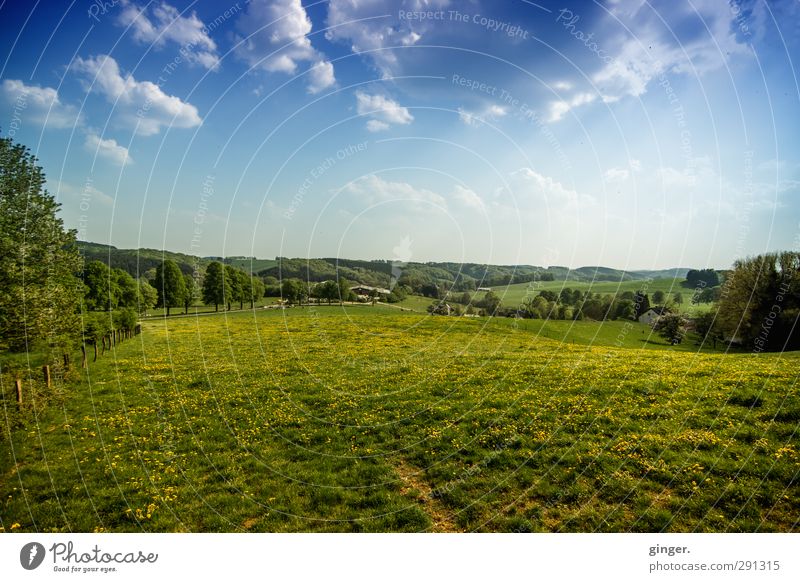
(621, 133)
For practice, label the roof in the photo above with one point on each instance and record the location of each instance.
(659, 310)
(368, 288)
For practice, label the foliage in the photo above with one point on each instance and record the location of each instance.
(671, 326)
(39, 263)
(170, 285)
(214, 285)
(760, 301)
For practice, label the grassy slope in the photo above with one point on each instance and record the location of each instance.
(369, 419)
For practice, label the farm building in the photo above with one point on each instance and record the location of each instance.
(487, 289)
(652, 314)
(367, 291)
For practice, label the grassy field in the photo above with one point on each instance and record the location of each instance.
(513, 295)
(373, 419)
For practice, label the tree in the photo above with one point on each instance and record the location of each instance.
(760, 304)
(293, 290)
(39, 263)
(127, 291)
(148, 296)
(244, 283)
(256, 290)
(702, 278)
(641, 302)
(671, 326)
(191, 292)
(677, 299)
(97, 281)
(328, 290)
(625, 309)
(214, 282)
(707, 328)
(345, 293)
(490, 302)
(659, 297)
(232, 285)
(170, 285)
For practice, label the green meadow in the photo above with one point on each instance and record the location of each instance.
(362, 418)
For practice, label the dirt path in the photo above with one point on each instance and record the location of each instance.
(412, 478)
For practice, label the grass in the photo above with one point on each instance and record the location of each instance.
(513, 295)
(371, 419)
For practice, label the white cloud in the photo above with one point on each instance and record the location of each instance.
(655, 50)
(39, 105)
(374, 125)
(558, 109)
(370, 26)
(382, 111)
(274, 39)
(467, 197)
(107, 149)
(137, 104)
(616, 175)
(531, 187)
(372, 189)
(320, 77)
(473, 118)
(167, 24)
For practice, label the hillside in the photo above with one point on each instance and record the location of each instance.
(459, 276)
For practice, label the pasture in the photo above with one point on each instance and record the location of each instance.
(364, 418)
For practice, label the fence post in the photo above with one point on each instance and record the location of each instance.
(46, 372)
(19, 391)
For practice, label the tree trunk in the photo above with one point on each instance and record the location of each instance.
(19, 391)
(95, 351)
(167, 310)
(46, 374)
(104, 345)
(83, 356)
(66, 362)
(216, 307)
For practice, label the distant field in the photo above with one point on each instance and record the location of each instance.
(513, 295)
(372, 419)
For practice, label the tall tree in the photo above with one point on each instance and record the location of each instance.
(191, 292)
(170, 285)
(127, 291)
(101, 287)
(233, 286)
(244, 287)
(40, 292)
(256, 290)
(214, 291)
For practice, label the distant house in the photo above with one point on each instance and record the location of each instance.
(652, 314)
(487, 289)
(367, 291)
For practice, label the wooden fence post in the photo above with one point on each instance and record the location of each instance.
(46, 372)
(19, 391)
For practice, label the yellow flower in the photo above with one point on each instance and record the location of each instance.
(15, 526)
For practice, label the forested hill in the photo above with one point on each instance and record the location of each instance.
(377, 273)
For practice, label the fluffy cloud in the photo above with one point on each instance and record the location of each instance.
(139, 105)
(274, 39)
(372, 190)
(474, 118)
(382, 111)
(467, 198)
(163, 24)
(39, 105)
(370, 26)
(558, 109)
(108, 149)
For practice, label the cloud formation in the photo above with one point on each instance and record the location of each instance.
(383, 112)
(40, 105)
(138, 105)
(163, 23)
(274, 38)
